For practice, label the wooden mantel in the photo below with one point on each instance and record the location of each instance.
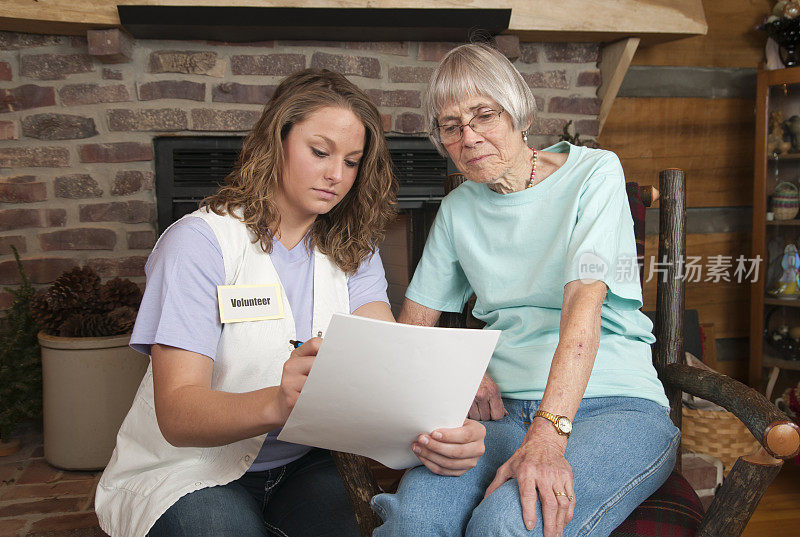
(622, 25)
(532, 20)
(605, 21)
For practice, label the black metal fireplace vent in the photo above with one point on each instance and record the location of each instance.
(191, 168)
(420, 169)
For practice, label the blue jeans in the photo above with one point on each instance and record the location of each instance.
(621, 450)
(303, 498)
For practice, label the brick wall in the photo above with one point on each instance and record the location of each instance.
(76, 157)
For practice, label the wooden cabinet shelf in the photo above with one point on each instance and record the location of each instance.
(794, 222)
(785, 156)
(773, 361)
(791, 303)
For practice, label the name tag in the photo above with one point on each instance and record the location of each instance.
(238, 303)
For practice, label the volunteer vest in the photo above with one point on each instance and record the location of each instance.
(146, 474)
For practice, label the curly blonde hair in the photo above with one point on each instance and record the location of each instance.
(350, 231)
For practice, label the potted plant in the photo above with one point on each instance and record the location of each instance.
(20, 372)
(89, 374)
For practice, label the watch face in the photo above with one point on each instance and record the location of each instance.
(564, 425)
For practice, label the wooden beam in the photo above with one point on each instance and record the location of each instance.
(532, 20)
(654, 21)
(613, 66)
(61, 17)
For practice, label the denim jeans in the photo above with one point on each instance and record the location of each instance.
(304, 498)
(621, 450)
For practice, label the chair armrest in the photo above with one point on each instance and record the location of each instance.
(771, 427)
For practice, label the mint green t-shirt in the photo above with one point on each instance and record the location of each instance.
(517, 251)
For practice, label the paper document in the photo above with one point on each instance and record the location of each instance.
(375, 386)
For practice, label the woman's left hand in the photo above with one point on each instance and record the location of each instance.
(539, 465)
(451, 451)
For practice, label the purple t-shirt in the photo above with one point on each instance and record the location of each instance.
(179, 307)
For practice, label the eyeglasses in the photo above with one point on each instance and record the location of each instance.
(484, 121)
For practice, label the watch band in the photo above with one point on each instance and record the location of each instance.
(554, 419)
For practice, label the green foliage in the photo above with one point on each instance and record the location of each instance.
(567, 137)
(20, 359)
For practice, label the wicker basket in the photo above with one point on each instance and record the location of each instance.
(785, 202)
(717, 433)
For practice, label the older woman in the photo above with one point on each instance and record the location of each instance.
(581, 435)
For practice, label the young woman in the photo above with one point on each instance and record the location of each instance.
(300, 217)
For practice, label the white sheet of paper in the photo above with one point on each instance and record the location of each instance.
(375, 386)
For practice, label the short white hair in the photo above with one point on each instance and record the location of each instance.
(477, 69)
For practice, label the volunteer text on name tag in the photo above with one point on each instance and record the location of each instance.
(239, 303)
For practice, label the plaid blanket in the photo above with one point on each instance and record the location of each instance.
(674, 510)
(791, 398)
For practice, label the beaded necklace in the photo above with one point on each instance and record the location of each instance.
(533, 171)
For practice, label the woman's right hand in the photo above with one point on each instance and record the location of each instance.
(488, 403)
(295, 373)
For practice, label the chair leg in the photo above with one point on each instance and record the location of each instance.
(361, 487)
(773, 378)
(739, 495)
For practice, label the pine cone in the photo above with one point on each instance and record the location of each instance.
(118, 292)
(74, 289)
(47, 317)
(118, 321)
(96, 325)
(84, 325)
(76, 305)
(71, 327)
(122, 319)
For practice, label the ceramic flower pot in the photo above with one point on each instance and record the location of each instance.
(88, 386)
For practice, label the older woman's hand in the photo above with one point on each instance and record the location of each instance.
(539, 465)
(488, 403)
(451, 451)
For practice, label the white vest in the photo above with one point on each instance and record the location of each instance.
(146, 474)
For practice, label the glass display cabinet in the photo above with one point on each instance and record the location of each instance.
(775, 293)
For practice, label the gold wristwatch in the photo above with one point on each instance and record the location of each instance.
(561, 423)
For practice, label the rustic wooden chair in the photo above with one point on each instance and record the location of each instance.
(674, 509)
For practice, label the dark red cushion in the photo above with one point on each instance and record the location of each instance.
(638, 211)
(674, 510)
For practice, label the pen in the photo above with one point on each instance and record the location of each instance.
(295, 343)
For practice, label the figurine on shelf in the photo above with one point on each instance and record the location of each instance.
(789, 283)
(776, 140)
(792, 125)
(782, 28)
(786, 8)
(782, 339)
